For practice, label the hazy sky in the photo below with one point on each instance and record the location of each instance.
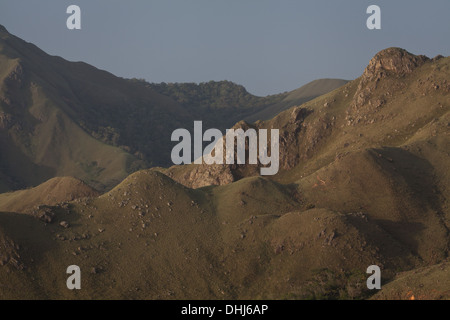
(267, 46)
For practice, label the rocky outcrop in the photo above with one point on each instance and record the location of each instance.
(392, 61)
(205, 175)
(9, 253)
(389, 62)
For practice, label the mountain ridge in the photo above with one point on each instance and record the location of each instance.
(364, 180)
(125, 124)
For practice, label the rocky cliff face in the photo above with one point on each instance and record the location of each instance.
(204, 175)
(392, 60)
(387, 75)
(389, 62)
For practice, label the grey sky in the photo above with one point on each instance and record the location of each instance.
(267, 46)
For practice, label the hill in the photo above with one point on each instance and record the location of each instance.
(222, 104)
(250, 239)
(47, 106)
(376, 147)
(50, 193)
(61, 118)
(364, 180)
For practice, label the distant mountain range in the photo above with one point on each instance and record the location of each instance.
(61, 118)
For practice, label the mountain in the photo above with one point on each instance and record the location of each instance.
(232, 101)
(363, 180)
(376, 148)
(60, 118)
(48, 106)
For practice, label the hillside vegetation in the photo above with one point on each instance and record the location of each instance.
(364, 180)
(61, 118)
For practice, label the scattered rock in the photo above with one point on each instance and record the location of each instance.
(64, 224)
(44, 214)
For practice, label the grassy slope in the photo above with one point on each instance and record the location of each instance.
(427, 283)
(297, 97)
(69, 118)
(152, 238)
(50, 193)
(388, 161)
(39, 138)
(352, 192)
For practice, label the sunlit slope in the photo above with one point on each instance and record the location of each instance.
(364, 179)
(51, 192)
(152, 238)
(297, 97)
(427, 283)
